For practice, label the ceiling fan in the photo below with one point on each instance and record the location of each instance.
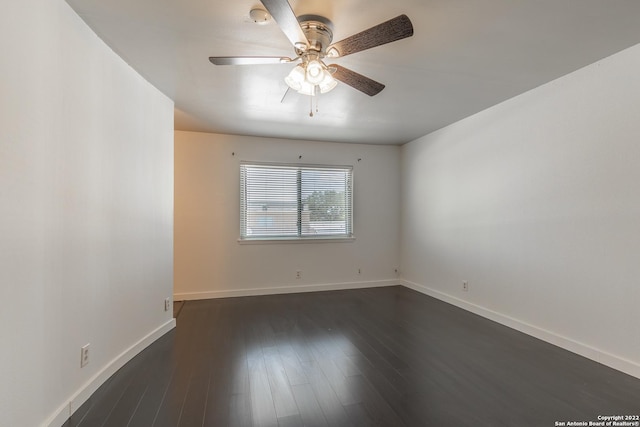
(311, 36)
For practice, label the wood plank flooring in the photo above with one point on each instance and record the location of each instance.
(369, 357)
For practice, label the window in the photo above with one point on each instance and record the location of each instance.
(295, 202)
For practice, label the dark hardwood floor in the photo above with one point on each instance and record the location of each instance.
(371, 357)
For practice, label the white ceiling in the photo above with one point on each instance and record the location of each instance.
(465, 56)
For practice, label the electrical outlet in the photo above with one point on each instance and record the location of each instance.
(465, 286)
(298, 274)
(167, 304)
(84, 355)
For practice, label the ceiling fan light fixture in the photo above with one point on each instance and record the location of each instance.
(311, 78)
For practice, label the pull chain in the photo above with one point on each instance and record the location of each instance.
(314, 94)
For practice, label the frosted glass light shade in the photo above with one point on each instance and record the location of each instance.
(308, 89)
(327, 83)
(295, 79)
(315, 72)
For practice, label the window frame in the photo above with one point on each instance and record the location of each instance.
(349, 236)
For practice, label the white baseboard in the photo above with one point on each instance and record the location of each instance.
(613, 361)
(62, 414)
(187, 296)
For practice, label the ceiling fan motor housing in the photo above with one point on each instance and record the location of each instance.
(319, 33)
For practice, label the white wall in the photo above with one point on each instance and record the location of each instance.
(536, 202)
(86, 200)
(209, 262)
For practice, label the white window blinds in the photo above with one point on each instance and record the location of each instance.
(295, 202)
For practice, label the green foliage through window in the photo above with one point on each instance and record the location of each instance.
(327, 205)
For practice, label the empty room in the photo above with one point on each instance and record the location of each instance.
(320, 213)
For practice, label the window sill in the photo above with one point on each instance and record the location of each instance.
(262, 241)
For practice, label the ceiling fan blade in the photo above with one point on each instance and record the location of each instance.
(286, 20)
(248, 60)
(356, 81)
(394, 29)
